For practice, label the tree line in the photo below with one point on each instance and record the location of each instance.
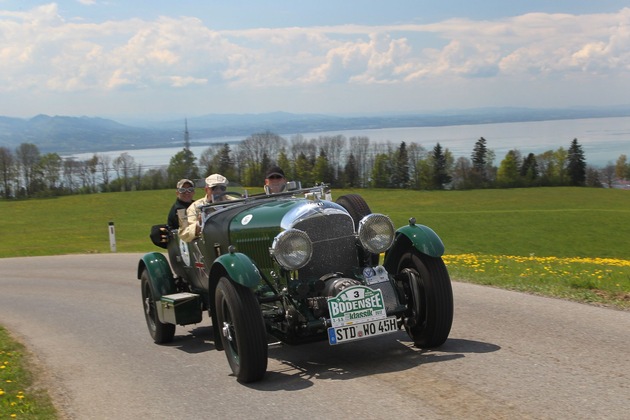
(342, 162)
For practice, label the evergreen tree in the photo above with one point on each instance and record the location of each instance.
(322, 172)
(285, 164)
(441, 176)
(351, 172)
(479, 158)
(302, 170)
(576, 164)
(529, 170)
(400, 175)
(479, 155)
(226, 164)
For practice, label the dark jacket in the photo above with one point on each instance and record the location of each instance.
(173, 220)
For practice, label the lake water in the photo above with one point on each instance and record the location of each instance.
(602, 139)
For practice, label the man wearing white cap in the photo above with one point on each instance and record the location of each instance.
(216, 185)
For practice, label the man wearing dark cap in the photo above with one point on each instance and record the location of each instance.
(185, 192)
(275, 181)
(160, 234)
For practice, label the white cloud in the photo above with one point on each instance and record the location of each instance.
(42, 50)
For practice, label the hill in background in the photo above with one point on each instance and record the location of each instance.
(65, 134)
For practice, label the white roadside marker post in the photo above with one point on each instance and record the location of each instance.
(112, 237)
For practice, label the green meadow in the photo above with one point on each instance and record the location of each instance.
(570, 243)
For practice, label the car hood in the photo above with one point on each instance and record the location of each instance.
(279, 215)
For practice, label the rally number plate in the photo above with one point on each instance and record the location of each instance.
(340, 335)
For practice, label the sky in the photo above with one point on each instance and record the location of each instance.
(175, 58)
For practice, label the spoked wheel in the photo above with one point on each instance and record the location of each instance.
(242, 330)
(161, 333)
(429, 296)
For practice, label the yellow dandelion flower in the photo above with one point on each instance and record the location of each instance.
(1, 392)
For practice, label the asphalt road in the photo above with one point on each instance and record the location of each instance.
(509, 355)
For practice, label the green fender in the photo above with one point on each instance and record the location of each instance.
(424, 239)
(240, 268)
(421, 237)
(160, 275)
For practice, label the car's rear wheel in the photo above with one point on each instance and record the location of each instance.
(430, 298)
(242, 330)
(357, 208)
(160, 332)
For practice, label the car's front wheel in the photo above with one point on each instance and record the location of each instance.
(242, 330)
(429, 296)
(160, 332)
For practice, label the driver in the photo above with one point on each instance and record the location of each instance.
(275, 182)
(190, 228)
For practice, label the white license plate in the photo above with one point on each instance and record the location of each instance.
(340, 335)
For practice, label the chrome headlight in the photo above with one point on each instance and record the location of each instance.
(292, 249)
(376, 233)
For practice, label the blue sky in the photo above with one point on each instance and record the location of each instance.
(167, 58)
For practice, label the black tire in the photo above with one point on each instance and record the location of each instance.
(356, 206)
(160, 333)
(242, 330)
(430, 298)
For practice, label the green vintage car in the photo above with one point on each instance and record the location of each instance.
(298, 267)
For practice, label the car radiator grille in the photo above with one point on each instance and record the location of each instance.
(334, 245)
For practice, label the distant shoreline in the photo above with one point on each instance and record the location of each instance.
(68, 135)
(603, 139)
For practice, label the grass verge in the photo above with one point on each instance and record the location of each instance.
(599, 281)
(19, 397)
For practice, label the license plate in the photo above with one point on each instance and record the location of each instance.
(340, 335)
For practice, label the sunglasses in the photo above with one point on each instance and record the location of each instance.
(220, 187)
(186, 190)
(275, 177)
